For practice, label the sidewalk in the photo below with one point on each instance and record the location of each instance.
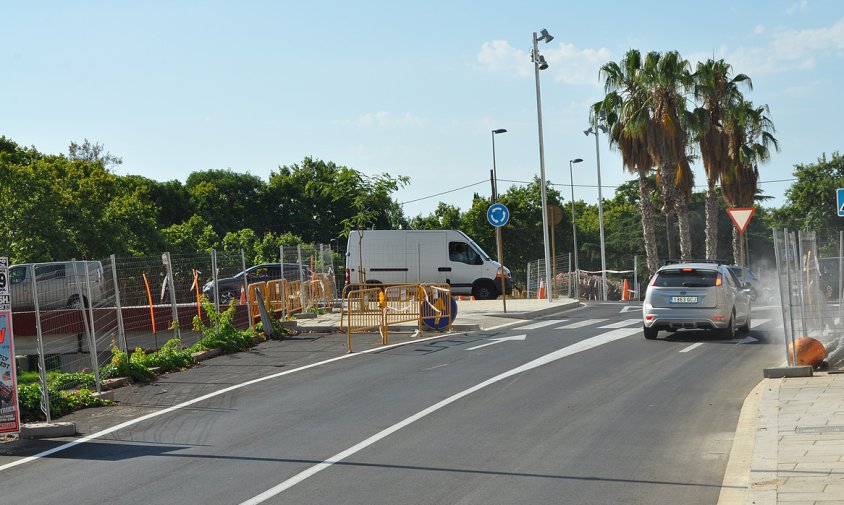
(789, 446)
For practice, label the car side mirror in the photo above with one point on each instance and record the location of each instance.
(746, 286)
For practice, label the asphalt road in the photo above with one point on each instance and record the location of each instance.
(569, 412)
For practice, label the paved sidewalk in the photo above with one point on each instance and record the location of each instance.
(789, 446)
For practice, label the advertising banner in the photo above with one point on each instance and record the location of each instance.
(9, 413)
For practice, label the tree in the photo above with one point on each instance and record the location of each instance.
(808, 202)
(718, 94)
(626, 114)
(750, 132)
(226, 199)
(444, 217)
(93, 153)
(666, 79)
(192, 236)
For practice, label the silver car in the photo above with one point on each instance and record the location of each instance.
(696, 295)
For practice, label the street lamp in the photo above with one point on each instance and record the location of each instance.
(539, 63)
(599, 125)
(574, 232)
(498, 228)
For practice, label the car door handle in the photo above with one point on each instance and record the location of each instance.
(444, 269)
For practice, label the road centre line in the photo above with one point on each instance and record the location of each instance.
(580, 324)
(691, 347)
(578, 347)
(219, 392)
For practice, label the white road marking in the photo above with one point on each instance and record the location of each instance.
(691, 347)
(624, 323)
(494, 341)
(219, 392)
(580, 324)
(541, 324)
(758, 322)
(581, 346)
(629, 308)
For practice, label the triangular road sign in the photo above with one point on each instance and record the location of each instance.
(740, 217)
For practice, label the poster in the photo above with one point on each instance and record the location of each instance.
(9, 414)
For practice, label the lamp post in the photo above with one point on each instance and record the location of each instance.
(498, 241)
(574, 232)
(600, 126)
(539, 63)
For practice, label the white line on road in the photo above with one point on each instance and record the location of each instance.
(758, 322)
(541, 324)
(691, 347)
(498, 340)
(580, 324)
(581, 346)
(219, 392)
(624, 323)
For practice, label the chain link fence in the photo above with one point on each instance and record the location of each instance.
(74, 312)
(581, 283)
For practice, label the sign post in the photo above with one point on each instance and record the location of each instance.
(498, 215)
(741, 217)
(9, 411)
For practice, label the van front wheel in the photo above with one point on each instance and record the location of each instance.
(75, 304)
(484, 290)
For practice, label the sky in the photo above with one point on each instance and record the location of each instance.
(410, 89)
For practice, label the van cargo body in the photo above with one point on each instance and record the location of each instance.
(424, 256)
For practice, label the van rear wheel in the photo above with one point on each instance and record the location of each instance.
(484, 290)
(75, 304)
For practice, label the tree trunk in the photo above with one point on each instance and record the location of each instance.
(685, 231)
(667, 173)
(711, 221)
(648, 228)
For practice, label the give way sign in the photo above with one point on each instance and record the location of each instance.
(741, 216)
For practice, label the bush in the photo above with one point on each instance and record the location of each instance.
(172, 356)
(61, 402)
(122, 366)
(221, 332)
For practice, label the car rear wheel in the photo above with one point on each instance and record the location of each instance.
(484, 291)
(650, 333)
(745, 328)
(730, 331)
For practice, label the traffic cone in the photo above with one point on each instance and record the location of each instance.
(625, 291)
(541, 294)
(242, 296)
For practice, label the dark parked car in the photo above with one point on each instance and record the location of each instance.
(230, 286)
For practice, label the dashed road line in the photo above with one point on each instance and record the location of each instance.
(580, 324)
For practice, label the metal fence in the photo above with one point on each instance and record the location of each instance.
(581, 283)
(75, 312)
(809, 280)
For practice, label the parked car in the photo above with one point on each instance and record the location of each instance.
(58, 287)
(698, 295)
(230, 286)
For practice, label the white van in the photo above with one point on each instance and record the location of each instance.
(424, 256)
(57, 286)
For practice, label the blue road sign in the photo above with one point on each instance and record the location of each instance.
(497, 215)
(840, 192)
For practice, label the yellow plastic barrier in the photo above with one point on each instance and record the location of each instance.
(436, 305)
(294, 302)
(365, 311)
(252, 299)
(276, 293)
(401, 304)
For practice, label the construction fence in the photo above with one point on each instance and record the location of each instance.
(582, 283)
(74, 312)
(368, 308)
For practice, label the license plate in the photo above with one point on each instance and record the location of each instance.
(683, 299)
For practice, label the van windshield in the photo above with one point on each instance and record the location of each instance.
(480, 251)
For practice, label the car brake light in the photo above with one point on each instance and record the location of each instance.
(687, 269)
(718, 280)
(718, 318)
(649, 317)
(653, 281)
(348, 276)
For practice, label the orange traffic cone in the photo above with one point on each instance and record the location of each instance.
(625, 290)
(242, 296)
(541, 294)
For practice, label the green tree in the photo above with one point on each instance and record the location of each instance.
(444, 217)
(228, 200)
(624, 110)
(192, 236)
(718, 93)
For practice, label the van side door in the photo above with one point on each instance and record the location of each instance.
(426, 257)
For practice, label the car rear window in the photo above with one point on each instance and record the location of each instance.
(686, 279)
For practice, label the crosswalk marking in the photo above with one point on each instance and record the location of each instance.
(580, 324)
(758, 322)
(622, 324)
(541, 324)
(693, 346)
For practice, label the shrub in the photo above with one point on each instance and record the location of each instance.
(122, 366)
(220, 332)
(61, 402)
(172, 356)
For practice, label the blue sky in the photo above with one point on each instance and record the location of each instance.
(175, 87)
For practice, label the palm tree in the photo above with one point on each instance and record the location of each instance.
(718, 95)
(750, 138)
(666, 79)
(624, 111)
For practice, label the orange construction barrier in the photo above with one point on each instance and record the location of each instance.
(242, 296)
(625, 290)
(541, 294)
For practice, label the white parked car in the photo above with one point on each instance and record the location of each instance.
(58, 287)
